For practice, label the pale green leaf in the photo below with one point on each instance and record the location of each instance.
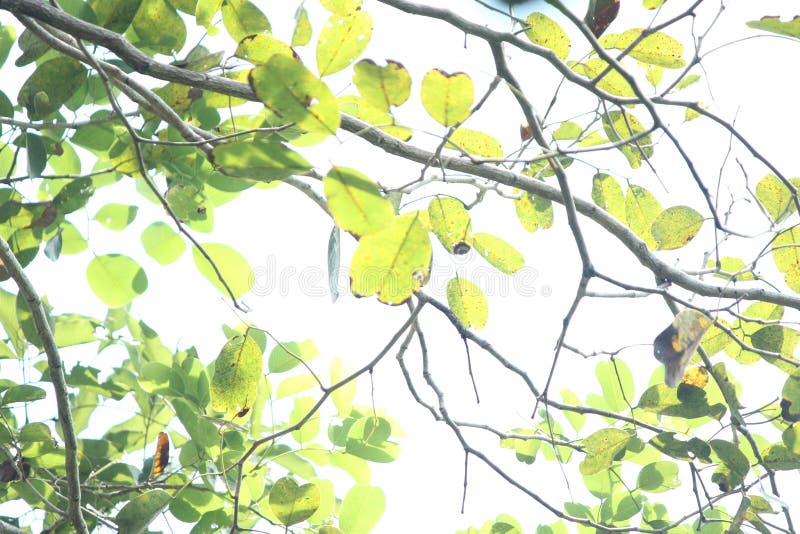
(288, 355)
(621, 126)
(776, 25)
(232, 266)
(258, 160)
(534, 212)
(116, 279)
(498, 252)
(475, 142)
(342, 40)
(116, 216)
(607, 193)
(293, 503)
(776, 197)
(450, 222)
(362, 507)
(341, 7)
(601, 448)
(641, 209)
(259, 49)
(162, 243)
(242, 18)
(355, 202)
(302, 29)
(361, 109)
(656, 49)
(382, 86)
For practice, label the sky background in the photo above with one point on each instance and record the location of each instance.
(284, 236)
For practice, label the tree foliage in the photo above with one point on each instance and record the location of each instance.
(199, 105)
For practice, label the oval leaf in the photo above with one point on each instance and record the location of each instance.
(116, 279)
(382, 86)
(468, 303)
(140, 511)
(355, 202)
(293, 503)
(51, 84)
(237, 371)
(544, 31)
(361, 509)
(451, 223)
(675, 227)
(498, 252)
(342, 40)
(162, 243)
(232, 266)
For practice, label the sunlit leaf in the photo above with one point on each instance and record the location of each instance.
(641, 209)
(656, 49)
(293, 503)
(382, 87)
(355, 202)
(611, 82)
(620, 126)
(468, 303)
(601, 448)
(142, 510)
(534, 212)
(258, 160)
(393, 262)
(776, 25)
(116, 216)
(544, 31)
(288, 88)
(498, 252)
(447, 97)
(289, 354)
(51, 84)
(232, 266)
(475, 142)
(362, 507)
(607, 193)
(116, 279)
(162, 243)
(776, 197)
(786, 254)
(152, 18)
(302, 29)
(242, 18)
(342, 40)
(341, 7)
(259, 48)
(361, 109)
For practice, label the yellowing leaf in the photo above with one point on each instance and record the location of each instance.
(382, 86)
(447, 97)
(534, 212)
(341, 7)
(232, 266)
(237, 370)
(468, 303)
(150, 22)
(302, 30)
(611, 82)
(786, 254)
(451, 223)
(342, 40)
(607, 193)
(393, 262)
(641, 209)
(776, 197)
(675, 227)
(601, 448)
(293, 503)
(259, 49)
(498, 252)
(620, 126)
(355, 202)
(289, 89)
(655, 49)
(544, 31)
(242, 18)
(475, 142)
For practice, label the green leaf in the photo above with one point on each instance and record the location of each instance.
(344, 395)
(567, 130)
(447, 97)
(355, 202)
(242, 18)
(607, 193)
(116, 216)
(342, 41)
(619, 126)
(73, 329)
(790, 398)
(641, 210)
(685, 401)
(675, 227)
(534, 212)
(237, 371)
(162, 243)
(290, 354)
(658, 477)
(382, 87)
(544, 31)
(734, 467)
(304, 406)
(37, 156)
(451, 223)
(302, 30)
(151, 22)
(779, 458)
(115, 15)
(142, 510)
(616, 380)
(232, 266)
(258, 160)
(286, 87)
(361, 109)
(362, 507)
(393, 262)
(498, 253)
(51, 84)
(776, 25)
(468, 303)
(341, 7)
(35, 433)
(7, 37)
(72, 242)
(525, 449)
(475, 143)
(655, 49)
(682, 450)
(776, 197)
(116, 279)
(293, 503)
(204, 13)
(601, 448)
(23, 393)
(259, 49)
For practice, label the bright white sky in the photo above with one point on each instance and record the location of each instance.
(284, 236)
